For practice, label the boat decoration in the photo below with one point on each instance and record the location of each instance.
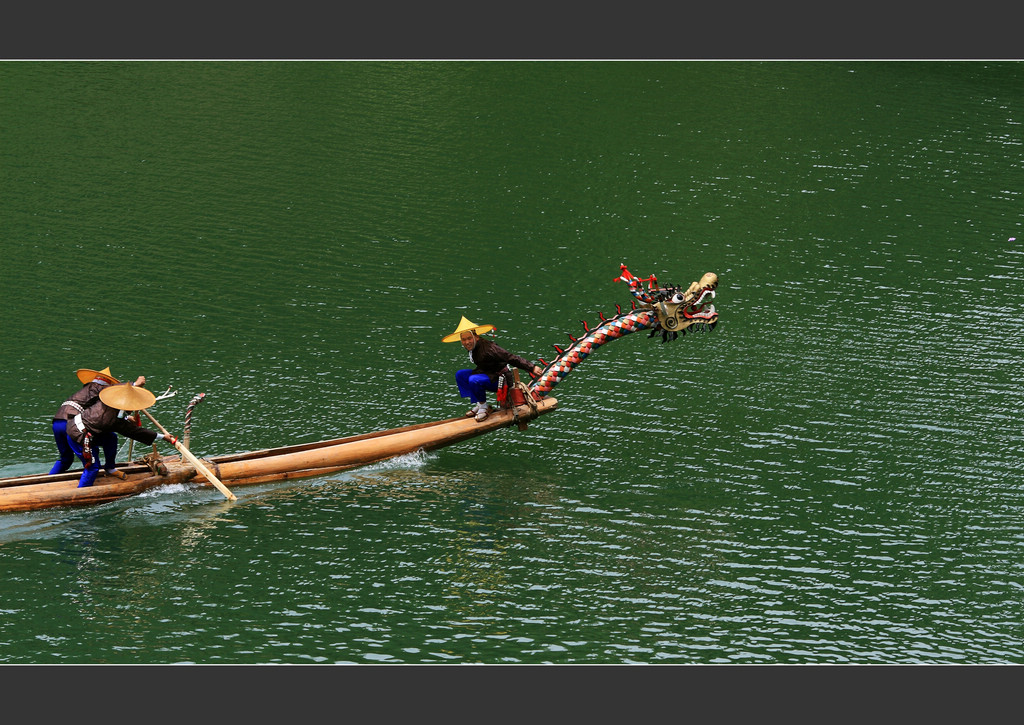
(669, 310)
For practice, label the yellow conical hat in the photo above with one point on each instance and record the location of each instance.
(87, 376)
(466, 325)
(127, 397)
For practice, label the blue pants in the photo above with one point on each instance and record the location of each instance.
(475, 387)
(67, 456)
(89, 471)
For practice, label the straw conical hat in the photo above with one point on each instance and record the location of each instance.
(127, 397)
(87, 376)
(466, 325)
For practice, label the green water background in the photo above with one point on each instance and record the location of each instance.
(831, 476)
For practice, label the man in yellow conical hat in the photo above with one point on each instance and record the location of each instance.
(490, 361)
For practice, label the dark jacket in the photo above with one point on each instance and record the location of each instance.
(99, 418)
(491, 359)
(82, 399)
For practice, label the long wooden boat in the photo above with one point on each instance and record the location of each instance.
(666, 311)
(25, 493)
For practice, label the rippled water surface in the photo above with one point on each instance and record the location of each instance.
(832, 475)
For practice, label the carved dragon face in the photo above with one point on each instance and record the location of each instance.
(679, 309)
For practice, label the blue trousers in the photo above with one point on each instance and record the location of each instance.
(67, 456)
(109, 454)
(475, 387)
(89, 471)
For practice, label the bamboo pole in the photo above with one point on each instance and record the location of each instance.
(195, 461)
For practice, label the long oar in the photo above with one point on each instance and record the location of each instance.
(195, 461)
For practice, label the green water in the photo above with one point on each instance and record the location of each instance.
(830, 476)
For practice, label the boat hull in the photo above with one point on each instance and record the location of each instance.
(25, 493)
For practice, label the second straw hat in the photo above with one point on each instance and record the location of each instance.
(127, 397)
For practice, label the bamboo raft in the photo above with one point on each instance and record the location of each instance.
(25, 493)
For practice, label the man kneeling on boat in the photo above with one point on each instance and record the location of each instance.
(93, 381)
(109, 413)
(490, 360)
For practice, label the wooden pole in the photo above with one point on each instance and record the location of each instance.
(195, 461)
(515, 376)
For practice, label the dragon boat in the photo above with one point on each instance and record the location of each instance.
(668, 311)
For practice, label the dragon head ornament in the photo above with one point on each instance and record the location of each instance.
(676, 310)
